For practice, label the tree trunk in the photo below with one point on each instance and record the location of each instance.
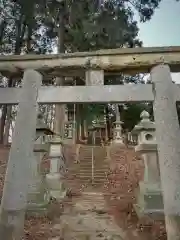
(108, 122)
(7, 110)
(82, 129)
(59, 118)
(2, 28)
(3, 122)
(82, 121)
(7, 125)
(77, 118)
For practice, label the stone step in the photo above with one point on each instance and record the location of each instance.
(89, 158)
(94, 146)
(85, 173)
(89, 163)
(95, 181)
(95, 154)
(89, 168)
(90, 174)
(92, 153)
(89, 201)
(97, 159)
(86, 170)
(89, 182)
(100, 179)
(94, 185)
(89, 206)
(86, 178)
(94, 150)
(92, 195)
(102, 169)
(95, 170)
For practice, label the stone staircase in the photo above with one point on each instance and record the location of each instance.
(91, 201)
(93, 169)
(79, 174)
(71, 178)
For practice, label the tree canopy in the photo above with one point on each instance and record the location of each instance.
(41, 26)
(88, 25)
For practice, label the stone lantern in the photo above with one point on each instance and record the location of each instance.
(70, 129)
(117, 132)
(57, 168)
(99, 132)
(38, 193)
(149, 195)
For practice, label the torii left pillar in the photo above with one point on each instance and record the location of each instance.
(14, 199)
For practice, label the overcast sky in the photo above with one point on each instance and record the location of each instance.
(163, 29)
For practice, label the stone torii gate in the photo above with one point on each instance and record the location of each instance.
(159, 62)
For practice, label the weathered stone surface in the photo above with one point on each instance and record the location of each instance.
(126, 170)
(57, 167)
(72, 64)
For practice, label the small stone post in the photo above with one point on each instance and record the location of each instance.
(38, 196)
(70, 130)
(149, 196)
(57, 165)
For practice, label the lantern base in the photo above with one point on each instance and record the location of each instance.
(38, 204)
(56, 186)
(153, 214)
(118, 141)
(149, 201)
(58, 195)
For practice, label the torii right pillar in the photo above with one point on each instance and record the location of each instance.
(168, 135)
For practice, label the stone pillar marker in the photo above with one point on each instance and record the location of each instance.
(38, 197)
(57, 164)
(94, 77)
(149, 196)
(71, 130)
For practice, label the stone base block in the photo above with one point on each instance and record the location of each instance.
(154, 214)
(53, 181)
(40, 209)
(42, 148)
(58, 195)
(149, 200)
(56, 187)
(68, 141)
(118, 141)
(38, 204)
